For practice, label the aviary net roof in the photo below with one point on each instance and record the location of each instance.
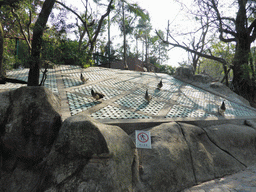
(124, 92)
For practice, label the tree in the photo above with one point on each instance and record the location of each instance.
(158, 48)
(242, 31)
(143, 32)
(24, 13)
(238, 28)
(92, 29)
(126, 15)
(10, 3)
(213, 68)
(33, 77)
(200, 44)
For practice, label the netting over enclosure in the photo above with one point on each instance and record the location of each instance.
(124, 94)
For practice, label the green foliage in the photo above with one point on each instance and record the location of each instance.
(58, 49)
(158, 49)
(13, 58)
(9, 58)
(166, 69)
(214, 68)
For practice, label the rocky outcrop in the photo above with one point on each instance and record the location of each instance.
(29, 124)
(168, 165)
(90, 156)
(183, 155)
(185, 72)
(210, 161)
(239, 141)
(40, 153)
(202, 78)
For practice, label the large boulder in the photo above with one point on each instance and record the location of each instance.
(90, 156)
(202, 78)
(4, 107)
(168, 165)
(237, 140)
(209, 160)
(183, 155)
(185, 72)
(30, 122)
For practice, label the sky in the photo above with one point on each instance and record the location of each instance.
(160, 13)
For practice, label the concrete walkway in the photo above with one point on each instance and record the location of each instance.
(244, 181)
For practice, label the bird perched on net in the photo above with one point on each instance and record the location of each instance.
(160, 84)
(147, 96)
(97, 95)
(83, 79)
(222, 108)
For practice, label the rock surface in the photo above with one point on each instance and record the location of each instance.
(28, 129)
(40, 153)
(238, 140)
(168, 165)
(90, 156)
(183, 155)
(185, 72)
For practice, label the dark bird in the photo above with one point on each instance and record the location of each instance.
(160, 84)
(222, 108)
(97, 95)
(147, 96)
(83, 79)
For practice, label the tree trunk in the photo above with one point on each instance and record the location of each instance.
(125, 62)
(33, 77)
(242, 82)
(1, 50)
(146, 59)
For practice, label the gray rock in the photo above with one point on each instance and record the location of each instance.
(238, 140)
(33, 123)
(183, 155)
(209, 160)
(202, 78)
(90, 156)
(30, 126)
(167, 166)
(184, 72)
(217, 85)
(4, 107)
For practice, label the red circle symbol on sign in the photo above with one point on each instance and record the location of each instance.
(143, 137)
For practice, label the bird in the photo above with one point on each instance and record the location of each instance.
(160, 84)
(97, 95)
(147, 96)
(83, 79)
(222, 108)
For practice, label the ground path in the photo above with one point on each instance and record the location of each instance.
(243, 181)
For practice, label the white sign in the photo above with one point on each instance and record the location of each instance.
(143, 139)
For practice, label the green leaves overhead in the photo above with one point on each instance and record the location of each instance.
(138, 11)
(133, 13)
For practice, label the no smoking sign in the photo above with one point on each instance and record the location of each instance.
(143, 139)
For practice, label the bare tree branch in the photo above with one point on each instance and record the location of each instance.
(221, 60)
(93, 35)
(21, 29)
